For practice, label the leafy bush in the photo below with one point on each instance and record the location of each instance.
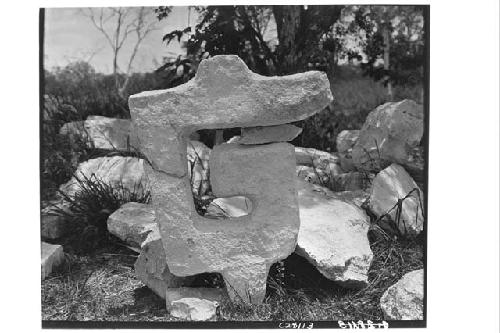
(87, 211)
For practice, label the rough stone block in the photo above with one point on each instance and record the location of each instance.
(388, 135)
(390, 185)
(405, 299)
(52, 256)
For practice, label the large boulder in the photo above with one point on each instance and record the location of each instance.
(391, 185)
(114, 171)
(52, 256)
(405, 299)
(388, 135)
(333, 236)
(226, 94)
(103, 133)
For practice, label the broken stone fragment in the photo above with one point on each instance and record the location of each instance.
(388, 135)
(210, 294)
(52, 256)
(229, 207)
(226, 94)
(194, 309)
(390, 185)
(333, 236)
(268, 134)
(405, 299)
(132, 223)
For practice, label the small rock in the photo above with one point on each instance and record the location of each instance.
(209, 294)
(405, 299)
(229, 207)
(390, 185)
(194, 309)
(268, 134)
(132, 223)
(52, 256)
(350, 181)
(333, 236)
(307, 156)
(346, 140)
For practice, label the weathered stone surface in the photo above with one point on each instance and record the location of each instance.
(395, 183)
(225, 94)
(268, 134)
(357, 197)
(52, 226)
(52, 256)
(103, 132)
(210, 294)
(333, 236)
(152, 269)
(396, 128)
(229, 207)
(111, 170)
(314, 157)
(346, 140)
(132, 223)
(194, 309)
(405, 299)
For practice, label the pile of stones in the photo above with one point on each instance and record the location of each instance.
(271, 198)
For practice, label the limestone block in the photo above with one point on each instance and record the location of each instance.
(225, 94)
(268, 134)
(388, 135)
(128, 171)
(405, 299)
(52, 256)
(103, 132)
(390, 185)
(194, 309)
(333, 236)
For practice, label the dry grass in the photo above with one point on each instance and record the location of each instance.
(102, 286)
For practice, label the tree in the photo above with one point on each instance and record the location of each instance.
(117, 25)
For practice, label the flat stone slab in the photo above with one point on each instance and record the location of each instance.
(405, 299)
(194, 309)
(388, 135)
(268, 134)
(390, 185)
(226, 94)
(333, 236)
(52, 256)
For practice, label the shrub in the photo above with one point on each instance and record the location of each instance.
(87, 211)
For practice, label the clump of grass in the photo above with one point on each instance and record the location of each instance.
(87, 211)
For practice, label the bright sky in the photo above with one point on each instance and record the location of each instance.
(71, 36)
